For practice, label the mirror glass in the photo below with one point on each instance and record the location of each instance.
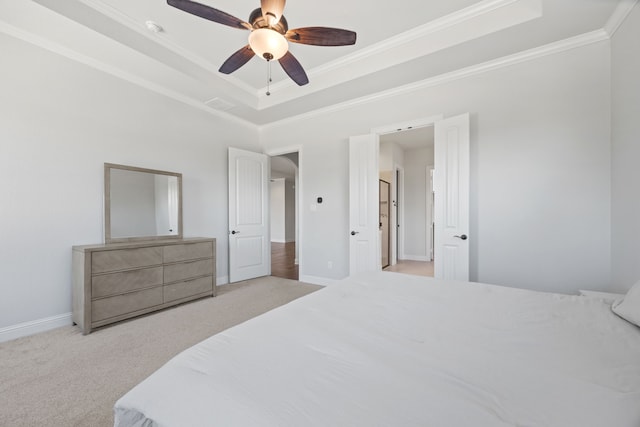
(141, 204)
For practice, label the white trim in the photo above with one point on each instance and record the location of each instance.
(484, 17)
(222, 280)
(618, 16)
(116, 72)
(528, 55)
(315, 280)
(623, 9)
(162, 40)
(34, 327)
(470, 23)
(392, 43)
(279, 151)
(420, 122)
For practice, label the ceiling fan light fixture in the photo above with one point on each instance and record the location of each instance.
(268, 44)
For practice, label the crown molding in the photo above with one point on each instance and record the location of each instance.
(482, 18)
(524, 56)
(394, 42)
(161, 39)
(412, 42)
(475, 21)
(59, 49)
(623, 10)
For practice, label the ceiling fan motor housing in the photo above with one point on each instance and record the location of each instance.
(257, 21)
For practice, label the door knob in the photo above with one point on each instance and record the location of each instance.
(463, 237)
(235, 232)
(353, 233)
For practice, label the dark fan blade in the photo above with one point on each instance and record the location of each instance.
(272, 10)
(293, 69)
(237, 60)
(209, 13)
(321, 36)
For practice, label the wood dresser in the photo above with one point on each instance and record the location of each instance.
(113, 282)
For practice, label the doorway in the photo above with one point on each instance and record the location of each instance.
(283, 206)
(406, 159)
(451, 184)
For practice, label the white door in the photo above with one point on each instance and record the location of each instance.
(364, 247)
(249, 245)
(451, 183)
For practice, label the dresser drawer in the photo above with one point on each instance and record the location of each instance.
(187, 270)
(122, 304)
(122, 259)
(126, 281)
(189, 288)
(188, 251)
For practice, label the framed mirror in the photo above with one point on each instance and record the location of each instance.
(141, 204)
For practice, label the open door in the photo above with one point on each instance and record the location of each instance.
(451, 184)
(249, 245)
(364, 247)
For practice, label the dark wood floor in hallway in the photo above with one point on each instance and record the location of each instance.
(283, 256)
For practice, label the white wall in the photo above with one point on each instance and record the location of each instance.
(282, 210)
(540, 159)
(277, 213)
(541, 168)
(625, 110)
(385, 161)
(415, 203)
(59, 122)
(289, 211)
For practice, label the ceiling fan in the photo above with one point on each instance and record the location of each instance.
(269, 35)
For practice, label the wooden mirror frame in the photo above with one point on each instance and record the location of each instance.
(107, 204)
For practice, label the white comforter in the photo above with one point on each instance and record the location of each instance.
(386, 349)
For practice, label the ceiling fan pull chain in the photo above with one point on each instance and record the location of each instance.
(268, 77)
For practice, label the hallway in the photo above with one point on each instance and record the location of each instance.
(283, 257)
(417, 268)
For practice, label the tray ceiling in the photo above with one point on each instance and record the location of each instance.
(399, 43)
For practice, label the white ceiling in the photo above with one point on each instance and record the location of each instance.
(399, 43)
(411, 139)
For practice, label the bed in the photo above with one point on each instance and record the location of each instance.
(388, 349)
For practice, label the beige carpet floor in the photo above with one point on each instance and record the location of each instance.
(62, 378)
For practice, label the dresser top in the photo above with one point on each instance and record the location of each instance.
(141, 244)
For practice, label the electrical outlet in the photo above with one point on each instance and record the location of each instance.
(330, 265)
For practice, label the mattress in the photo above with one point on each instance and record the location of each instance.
(388, 349)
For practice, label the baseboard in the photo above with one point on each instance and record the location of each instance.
(35, 326)
(415, 258)
(314, 280)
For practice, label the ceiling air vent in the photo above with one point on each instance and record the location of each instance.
(220, 104)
